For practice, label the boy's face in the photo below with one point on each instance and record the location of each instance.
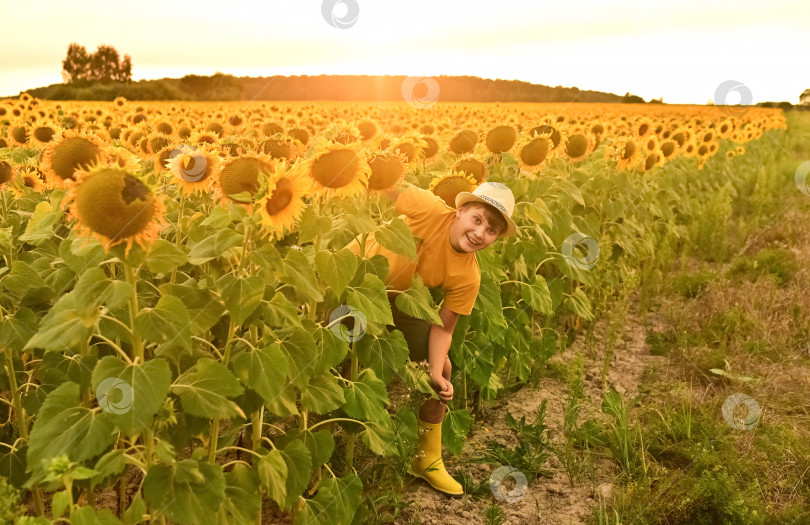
(473, 229)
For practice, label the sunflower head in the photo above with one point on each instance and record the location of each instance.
(577, 146)
(501, 139)
(67, 152)
(242, 174)
(448, 186)
(339, 171)
(42, 134)
(553, 134)
(368, 129)
(474, 167)
(121, 157)
(387, 170)
(625, 152)
(6, 173)
(431, 147)
(19, 134)
(283, 203)
(533, 151)
(115, 206)
(463, 142)
(193, 168)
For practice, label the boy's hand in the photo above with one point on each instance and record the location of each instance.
(442, 386)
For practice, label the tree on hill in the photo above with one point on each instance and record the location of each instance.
(804, 98)
(105, 65)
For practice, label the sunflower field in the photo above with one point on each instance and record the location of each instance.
(187, 338)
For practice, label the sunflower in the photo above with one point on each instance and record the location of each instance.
(501, 138)
(119, 102)
(122, 158)
(283, 203)
(464, 142)
(472, 166)
(730, 154)
(431, 147)
(42, 134)
(115, 207)
(532, 151)
(6, 173)
(19, 134)
(68, 152)
(299, 134)
(271, 128)
(387, 170)
(547, 130)
(241, 174)
(280, 147)
(651, 160)
(27, 177)
(193, 168)
(164, 127)
(643, 127)
(669, 148)
(203, 137)
(411, 145)
(740, 150)
(338, 171)
(368, 129)
(450, 185)
(625, 152)
(577, 146)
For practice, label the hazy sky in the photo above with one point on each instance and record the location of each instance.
(679, 50)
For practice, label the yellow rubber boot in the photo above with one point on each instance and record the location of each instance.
(427, 460)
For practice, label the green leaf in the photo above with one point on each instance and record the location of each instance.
(488, 302)
(62, 327)
(214, 246)
(537, 295)
(332, 349)
(59, 503)
(455, 427)
(87, 515)
(322, 394)
(335, 503)
(264, 370)
(579, 304)
(16, 330)
(148, 383)
(336, 268)
(168, 322)
(110, 464)
(285, 404)
(80, 253)
(398, 238)
(189, 493)
(299, 347)
(63, 426)
(380, 438)
(370, 298)
(366, 398)
(417, 302)
(95, 288)
(299, 469)
(241, 295)
(279, 311)
(204, 307)
(312, 225)
(243, 499)
(320, 443)
(40, 225)
(57, 368)
(26, 283)
(136, 510)
(204, 390)
(299, 274)
(272, 471)
(163, 256)
(384, 355)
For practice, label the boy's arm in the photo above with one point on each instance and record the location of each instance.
(438, 346)
(394, 192)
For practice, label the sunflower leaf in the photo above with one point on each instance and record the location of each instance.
(204, 390)
(167, 322)
(163, 257)
(398, 238)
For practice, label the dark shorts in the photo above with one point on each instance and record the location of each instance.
(416, 331)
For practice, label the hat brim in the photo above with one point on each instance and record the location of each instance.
(464, 197)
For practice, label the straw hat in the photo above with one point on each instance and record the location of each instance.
(496, 195)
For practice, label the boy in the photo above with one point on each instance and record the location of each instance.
(446, 259)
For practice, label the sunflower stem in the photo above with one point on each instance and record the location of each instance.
(248, 233)
(137, 343)
(22, 424)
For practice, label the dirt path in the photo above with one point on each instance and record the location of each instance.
(547, 500)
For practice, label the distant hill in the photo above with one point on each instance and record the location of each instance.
(322, 87)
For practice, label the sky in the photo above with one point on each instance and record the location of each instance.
(682, 51)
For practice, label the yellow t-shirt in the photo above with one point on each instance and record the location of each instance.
(439, 265)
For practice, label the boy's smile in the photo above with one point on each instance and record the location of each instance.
(471, 230)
